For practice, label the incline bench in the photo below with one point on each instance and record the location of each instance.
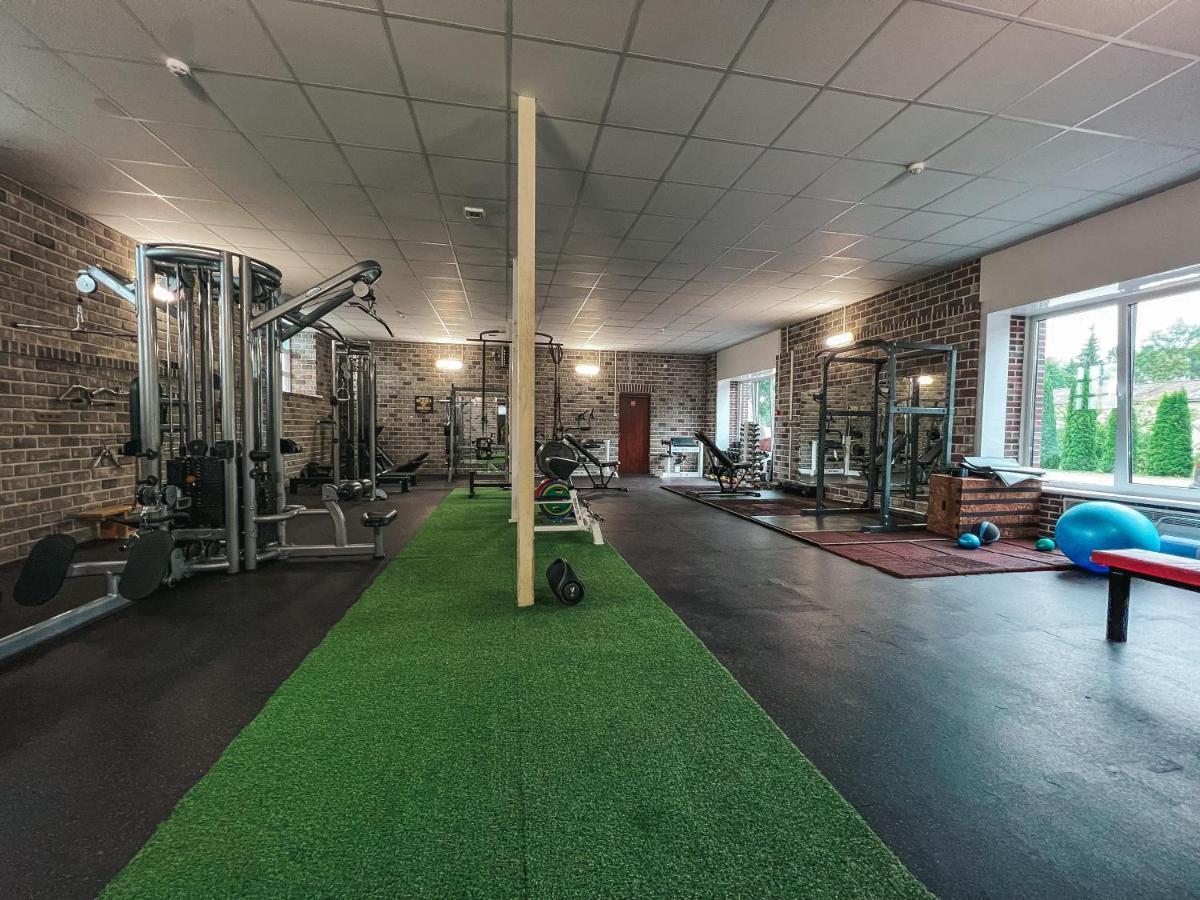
(1149, 565)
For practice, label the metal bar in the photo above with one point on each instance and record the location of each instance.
(304, 551)
(113, 282)
(288, 512)
(937, 411)
(297, 323)
(187, 360)
(149, 410)
(63, 623)
(822, 410)
(365, 270)
(951, 387)
(207, 388)
(249, 420)
(275, 423)
(229, 412)
(372, 465)
(885, 496)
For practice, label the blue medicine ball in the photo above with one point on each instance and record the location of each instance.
(969, 541)
(1101, 525)
(987, 532)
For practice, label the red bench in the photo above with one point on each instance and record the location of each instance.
(1149, 565)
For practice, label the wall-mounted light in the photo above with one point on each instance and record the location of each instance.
(588, 369)
(449, 364)
(839, 340)
(924, 380)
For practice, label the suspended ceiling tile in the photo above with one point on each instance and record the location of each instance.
(477, 73)
(354, 117)
(914, 49)
(263, 107)
(806, 41)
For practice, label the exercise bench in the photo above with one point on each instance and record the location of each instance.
(606, 470)
(729, 474)
(1148, 565)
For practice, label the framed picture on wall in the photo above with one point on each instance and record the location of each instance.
(423, 404)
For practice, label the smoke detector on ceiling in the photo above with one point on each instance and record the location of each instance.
(916, 168)
(473, 213)
(179, 68)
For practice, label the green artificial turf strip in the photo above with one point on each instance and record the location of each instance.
(441, 742)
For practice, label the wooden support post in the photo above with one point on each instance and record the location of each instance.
(522, 475)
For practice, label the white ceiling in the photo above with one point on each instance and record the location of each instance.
(709, 169)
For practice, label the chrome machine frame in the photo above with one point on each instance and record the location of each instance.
(206, 416)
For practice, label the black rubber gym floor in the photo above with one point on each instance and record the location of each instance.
(981, 724)
(104, 730)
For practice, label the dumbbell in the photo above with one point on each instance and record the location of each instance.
(349, 490)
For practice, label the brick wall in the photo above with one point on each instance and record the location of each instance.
(682, 391)
(46, 446)
(943, 308)
(1016, 387)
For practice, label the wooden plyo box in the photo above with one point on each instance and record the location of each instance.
(955, 504)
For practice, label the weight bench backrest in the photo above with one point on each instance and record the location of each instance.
(582, 450)
(721, 457)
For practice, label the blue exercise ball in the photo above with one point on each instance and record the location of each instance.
(1101, 525)
(969, 541)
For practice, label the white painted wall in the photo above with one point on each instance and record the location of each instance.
(1153, 235)
(1143, 238)
(755, 355)
(748, 357)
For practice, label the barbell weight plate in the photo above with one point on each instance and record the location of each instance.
(551, 450)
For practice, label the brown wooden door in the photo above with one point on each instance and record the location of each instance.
(634, 423)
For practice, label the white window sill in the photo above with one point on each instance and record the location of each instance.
(1064, 490)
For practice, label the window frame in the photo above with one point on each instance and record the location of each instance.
(1126, 306)
(285, 367)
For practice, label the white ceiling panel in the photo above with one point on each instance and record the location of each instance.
(596, 24)
(1015, 62)
(1111, 18)
(916, 134)
(567, 81)
(660, 95)
(442, 63)
(809, 41)
(708, 32)
(715, 187)
(353, 117)
(994, 142)
(214, 34)
(97, 26)
(752, 110)
(836, 122)
(1104, 78)
(263, 107)
(318, 41)
(914, 49)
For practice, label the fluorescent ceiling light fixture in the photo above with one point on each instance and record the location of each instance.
(839, 340)
(925, 380)
(449, 364)
(162, 295)
(588, 369)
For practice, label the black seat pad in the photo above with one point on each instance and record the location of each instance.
(45, 570)
(561, 467)
(377, 519)
(149, 560)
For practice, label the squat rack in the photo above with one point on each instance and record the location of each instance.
(881, 356)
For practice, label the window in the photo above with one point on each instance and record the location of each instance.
(1113, 401)
(285, 365)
